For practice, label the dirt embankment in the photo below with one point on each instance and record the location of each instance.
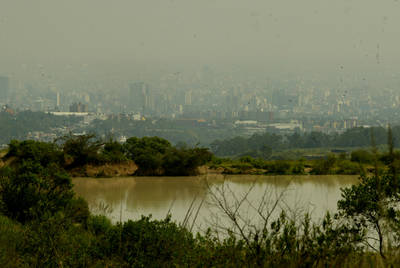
(2, 154)
(203, 170)
(106, 170)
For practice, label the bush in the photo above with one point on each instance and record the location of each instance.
(108, 236)
(298, 168)
(77, 210)
(346, 167)
(31, 191)
(324, 166)
(54, 243)
(149, 164)
(183, 162)
(82, 150)
(155, 243)
(113, 152)
(242, 167)
(135, 147)
(362, 156)
(372, 207)
(156, 156)
(35, 151)
(11, 239)
(279, 167)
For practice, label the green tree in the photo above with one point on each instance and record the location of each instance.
(113, 152)
(372, 206)
(39, 152)
(147, 152)
(183, 162)
(83, 149)
(33, 192)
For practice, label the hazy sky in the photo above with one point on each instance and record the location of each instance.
(289, 32)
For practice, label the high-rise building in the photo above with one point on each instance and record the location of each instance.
(78, 108)
(188, 97)
(148, 105)
(58, 100)
(137, 95)
(4, 88)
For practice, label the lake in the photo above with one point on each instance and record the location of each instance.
(198, 200)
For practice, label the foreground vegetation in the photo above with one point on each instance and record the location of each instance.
(43, 224)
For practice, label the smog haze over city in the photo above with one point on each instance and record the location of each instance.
(197, 71)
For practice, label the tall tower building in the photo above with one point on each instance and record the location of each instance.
(4, 88)
(188, 97)
(58, 100)
(148, 104)
(137, 95)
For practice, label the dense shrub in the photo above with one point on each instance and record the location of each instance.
(183, 162)
(324, 166)
(346, 167)
(156, 156)
(298, 167)
(55, 242)
(35, 151)
(33, 192)
(279, 167)
(113, 152)
(155, 243)
(362, 156)
(11, 239)
(81, 150)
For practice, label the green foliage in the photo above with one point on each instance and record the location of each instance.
(113, 152)
(372, 205)
(83, 149)
(149, 164)
(32, 192)
(242, 168)
(362, 156)
(346, 167)
(279, 167)
(55, 242)
(156, 156)
(329, 165)
(298, 167)
(35, 151)
(43, 224)
(147, 152)
(184, 162)
(264, 145)
(324, 166)
(18, 126)
(136, 147)
(155, 243)
(11, 239)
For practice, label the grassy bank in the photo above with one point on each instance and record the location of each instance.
(329, 165)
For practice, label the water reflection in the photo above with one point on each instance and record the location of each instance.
(129, 198)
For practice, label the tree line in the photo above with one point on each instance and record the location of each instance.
(154, 156)
(262, 145)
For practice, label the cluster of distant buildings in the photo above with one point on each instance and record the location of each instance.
(282, 106)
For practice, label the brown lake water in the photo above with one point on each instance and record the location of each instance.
(129, 198)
